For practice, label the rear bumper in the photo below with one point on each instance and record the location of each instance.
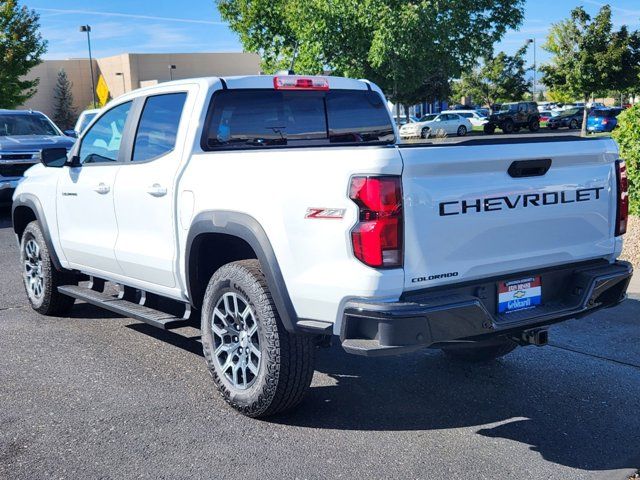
(429, 319)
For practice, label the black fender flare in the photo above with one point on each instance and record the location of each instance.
(33, 203)
(248, 229)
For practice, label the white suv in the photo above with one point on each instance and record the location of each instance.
(279, 212)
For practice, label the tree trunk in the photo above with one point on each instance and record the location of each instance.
(583, 131)
(406, 111)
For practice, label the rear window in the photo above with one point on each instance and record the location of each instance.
(269, 118)
(602, 113)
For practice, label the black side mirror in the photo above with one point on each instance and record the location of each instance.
(53, 157)
(71, 133)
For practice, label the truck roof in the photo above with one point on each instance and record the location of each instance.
(19, 112)
(256, 81)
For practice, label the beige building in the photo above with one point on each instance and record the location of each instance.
(129, 71)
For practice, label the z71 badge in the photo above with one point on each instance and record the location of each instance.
(325, 213)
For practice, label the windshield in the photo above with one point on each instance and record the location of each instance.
(427, 118)
(86, 119)
(25, 124)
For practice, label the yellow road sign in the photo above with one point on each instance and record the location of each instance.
(102, 91)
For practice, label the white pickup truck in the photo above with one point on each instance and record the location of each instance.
(280, 212)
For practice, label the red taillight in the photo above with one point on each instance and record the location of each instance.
(377, 238)
(292, 82)
(622, 212)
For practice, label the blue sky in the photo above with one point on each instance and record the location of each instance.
(163, 26)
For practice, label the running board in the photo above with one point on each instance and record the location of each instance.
(125, 308)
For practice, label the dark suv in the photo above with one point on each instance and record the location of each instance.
(511, 117)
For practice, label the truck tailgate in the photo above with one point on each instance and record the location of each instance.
(471, 212)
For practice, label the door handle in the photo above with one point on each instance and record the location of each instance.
(157, 190)
(102, 188)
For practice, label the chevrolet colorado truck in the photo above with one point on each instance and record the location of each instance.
(280, 213)
(23, 134)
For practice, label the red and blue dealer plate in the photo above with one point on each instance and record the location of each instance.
(521, 294)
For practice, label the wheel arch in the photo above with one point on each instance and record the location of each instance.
(25, 209)
(216, 238)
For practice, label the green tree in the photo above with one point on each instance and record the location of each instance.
(64, 112)
(498, 79)
(401, 46)
(541, 97)
(21, 49)
(590, 57)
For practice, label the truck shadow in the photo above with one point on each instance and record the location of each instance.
(573, 409)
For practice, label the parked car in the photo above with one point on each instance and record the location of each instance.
(545, 115)
(571, 118)
(23, 134)
(513, 116)
(448, 123)
(603, 119)
(483, 112)
(402, 120)
(85, 119)
(473, 116)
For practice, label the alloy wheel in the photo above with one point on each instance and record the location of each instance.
(236, 340)
(33, 276)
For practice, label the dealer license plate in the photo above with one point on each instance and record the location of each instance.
(520, 294)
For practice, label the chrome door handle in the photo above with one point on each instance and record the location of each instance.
(157, 190)
(102, 188)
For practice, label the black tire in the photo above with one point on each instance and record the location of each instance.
(45, 299)
(424, 133)
(286, 363)
(489, 129)
(534, 125)
(573, 124)
(516, 129)
(508, 126)
(462, 131)
(480, 351)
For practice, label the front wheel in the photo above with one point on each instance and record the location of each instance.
(573, 124)
(40, 277)
(259, 368)
(489, 129)
(480, 351)
(425, 132)
(462, 131)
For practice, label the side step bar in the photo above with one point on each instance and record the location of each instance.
(123, 307)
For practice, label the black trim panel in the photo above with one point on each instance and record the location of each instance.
(248, 229)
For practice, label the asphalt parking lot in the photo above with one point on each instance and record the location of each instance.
(99, 396)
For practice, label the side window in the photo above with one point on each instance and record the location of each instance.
(158, 126)
(102, 142)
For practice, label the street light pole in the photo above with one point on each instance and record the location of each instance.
(171, 69)
(87, 28)
(124, 88)
(533, 87)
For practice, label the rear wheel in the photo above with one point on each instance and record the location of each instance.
(462, 131)
(480, 351)
(508, 126)
(40, 277)
(534, 125)
(260, 368)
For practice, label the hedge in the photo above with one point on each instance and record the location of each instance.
(627, 134)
